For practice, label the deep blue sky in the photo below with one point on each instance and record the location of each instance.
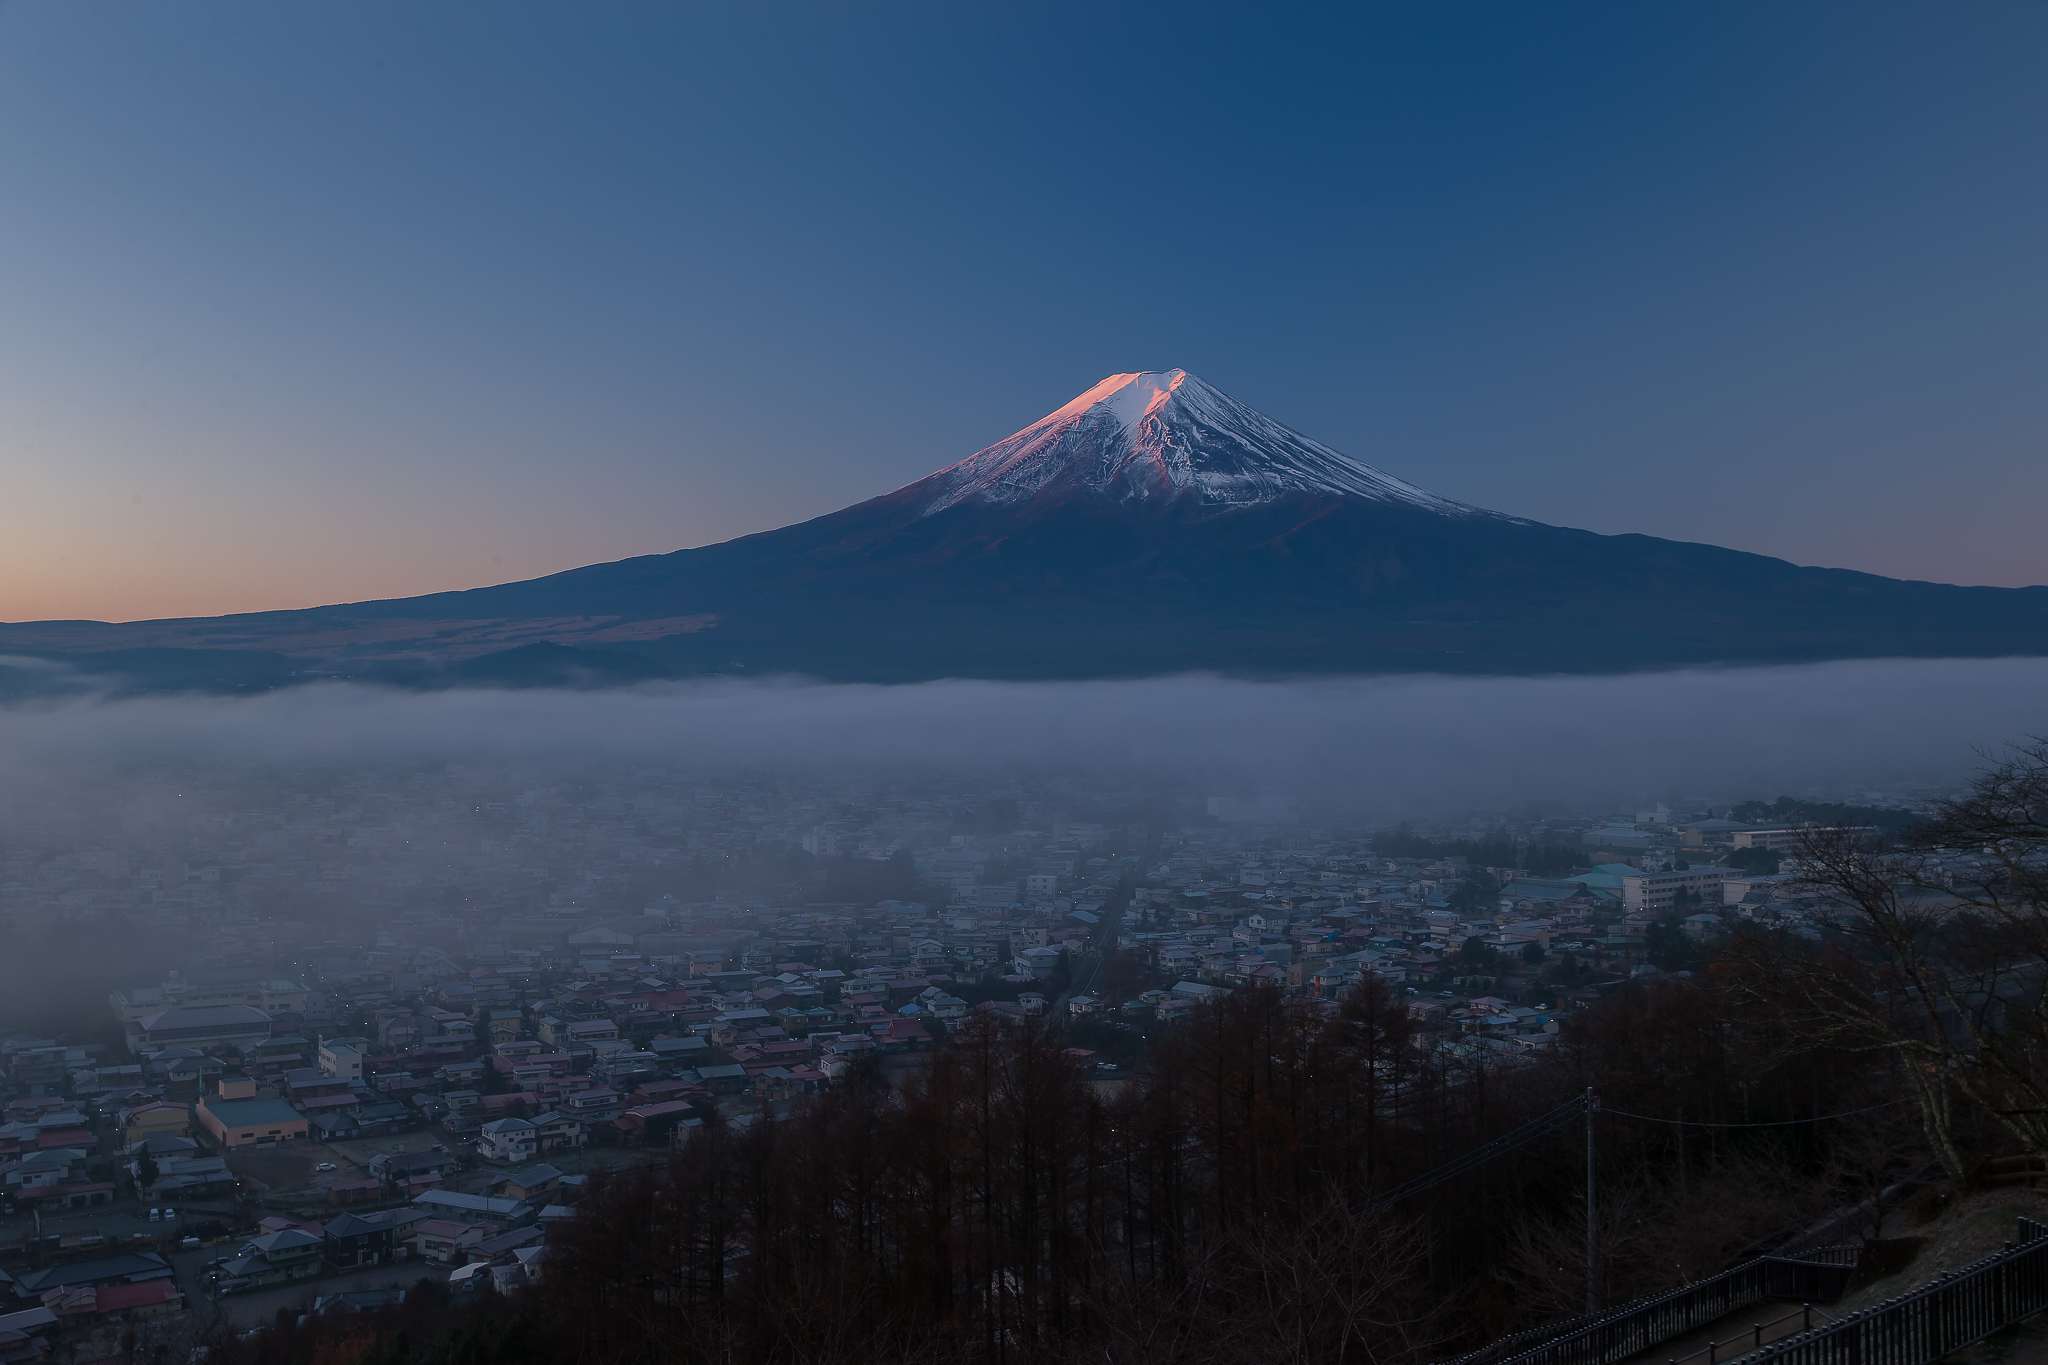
(308, 303)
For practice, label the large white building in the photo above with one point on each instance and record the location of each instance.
(342, 1058)
(1656, 890)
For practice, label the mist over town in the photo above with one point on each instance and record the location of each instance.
(393, 976)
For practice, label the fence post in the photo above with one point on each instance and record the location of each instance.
(1592, 1264)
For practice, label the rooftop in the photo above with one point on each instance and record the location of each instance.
(248, 1113)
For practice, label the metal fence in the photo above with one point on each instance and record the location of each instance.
(1944, 1315)
(1604, 1338)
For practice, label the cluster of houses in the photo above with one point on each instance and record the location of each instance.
(528, 1034)
(495, 1237)
(48, 1150)
(38, 1307)
(544, 1029)
(503, 1228)
(1314, 917)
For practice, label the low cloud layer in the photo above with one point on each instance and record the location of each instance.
(1397, 741)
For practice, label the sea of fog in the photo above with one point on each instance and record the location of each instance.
(1838, 728)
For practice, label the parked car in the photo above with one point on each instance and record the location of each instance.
(234, 1284)
(325, 1166)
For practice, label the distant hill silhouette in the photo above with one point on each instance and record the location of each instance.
(1152, 525)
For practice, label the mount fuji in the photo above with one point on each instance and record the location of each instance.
(1154, 524)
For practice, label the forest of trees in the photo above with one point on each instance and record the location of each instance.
(1787, 810)
(998, 1203)
(1000, 1206)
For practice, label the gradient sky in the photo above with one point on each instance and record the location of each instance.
(313, 303)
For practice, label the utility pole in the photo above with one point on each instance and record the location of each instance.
(1592, 1263)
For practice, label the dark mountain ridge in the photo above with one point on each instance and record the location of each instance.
(1153, 525)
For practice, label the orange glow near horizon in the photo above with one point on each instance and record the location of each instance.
(164, 584)
(70, 552)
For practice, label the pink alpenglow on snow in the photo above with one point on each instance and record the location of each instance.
(1165, 433)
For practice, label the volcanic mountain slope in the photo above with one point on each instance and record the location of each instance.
(1154, 524)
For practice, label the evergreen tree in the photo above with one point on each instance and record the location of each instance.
(1670, 948)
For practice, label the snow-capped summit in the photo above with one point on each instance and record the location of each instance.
(1164, 433)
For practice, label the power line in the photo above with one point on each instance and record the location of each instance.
(1775, 1123)
(1541, 1126)
(1546, 1124)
